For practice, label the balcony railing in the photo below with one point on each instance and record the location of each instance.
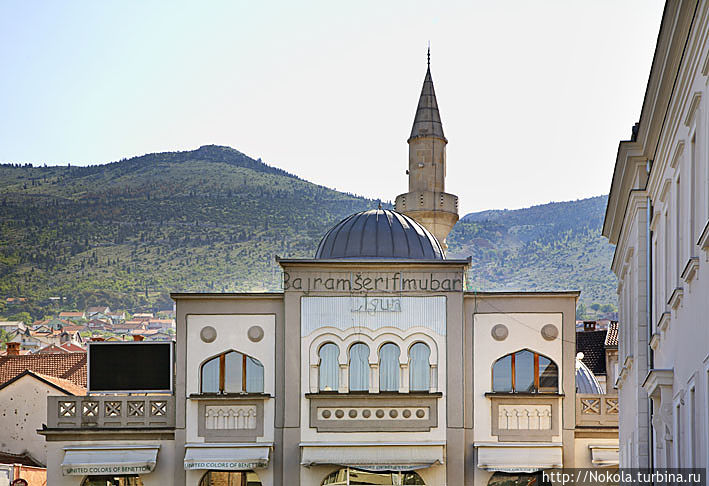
(596, 410)
(107, 412)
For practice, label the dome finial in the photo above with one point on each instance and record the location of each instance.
(380, 205)
(428, 54)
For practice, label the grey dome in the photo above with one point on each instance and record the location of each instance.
(586, 382)
(379, 233)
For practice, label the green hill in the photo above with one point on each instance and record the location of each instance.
(127, 233)
(555, 246)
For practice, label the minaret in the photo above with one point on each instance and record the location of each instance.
(427, 202)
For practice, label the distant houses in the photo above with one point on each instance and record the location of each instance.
(73, 328)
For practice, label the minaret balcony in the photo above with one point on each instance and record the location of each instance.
(427, 201)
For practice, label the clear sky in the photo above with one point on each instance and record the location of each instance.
(534, 95)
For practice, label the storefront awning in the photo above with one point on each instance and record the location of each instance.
(227, 457)
(375, 456)
(125, 459)
(604, 455)
(518, 457)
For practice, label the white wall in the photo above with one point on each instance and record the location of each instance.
(231, 335)
(524, 333)
(23, 410)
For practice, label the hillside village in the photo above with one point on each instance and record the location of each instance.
(69, 331)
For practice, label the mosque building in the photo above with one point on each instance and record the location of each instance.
(374, 365)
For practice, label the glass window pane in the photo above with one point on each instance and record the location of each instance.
(359, 367)
(329, 367)
(233, 372)
(210, 376)
(502, 374)
(548, 376)
(419, 367)
(524, 372)
(254, 375)
(389, 367)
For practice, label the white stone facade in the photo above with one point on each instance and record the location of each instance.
(657, 216)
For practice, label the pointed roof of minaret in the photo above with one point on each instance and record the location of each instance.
(427, 122)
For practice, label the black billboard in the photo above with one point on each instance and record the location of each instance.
(130, 367)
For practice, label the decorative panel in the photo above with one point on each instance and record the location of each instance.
(524, 418)
(230, 419)
(374, 413)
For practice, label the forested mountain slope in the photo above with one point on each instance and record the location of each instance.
(212, 219)
(551, 246)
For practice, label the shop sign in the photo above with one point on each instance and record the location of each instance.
(363, 282)
(107, 469)
(225, 465)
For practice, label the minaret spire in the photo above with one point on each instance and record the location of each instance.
(427, 202)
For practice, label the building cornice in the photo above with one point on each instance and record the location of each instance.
(226, 295)
(656, 379)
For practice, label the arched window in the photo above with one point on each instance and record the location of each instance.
(232, 372)
(525, 372)
(329, 367)
(230, 478)
(359, 367)
(389, 367)
(419, 367)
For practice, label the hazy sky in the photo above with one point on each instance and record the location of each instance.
(534, 95)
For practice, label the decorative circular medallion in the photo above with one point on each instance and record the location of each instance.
(499, 332)
(255, 333)
(352, 413)
(366, 414)
(393, 413)
(406, 413)
(339, 413)
(550, 332)
(326, 414)
(420, 413)
(208, 334)
(380, 413)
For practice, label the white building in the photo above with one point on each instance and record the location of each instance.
(657, 216)
(372, 366)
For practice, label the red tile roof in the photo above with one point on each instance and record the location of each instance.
(52, 348)
(72, 348)
(65, 385)
(612, 336)
(74, 328)
(70, 366)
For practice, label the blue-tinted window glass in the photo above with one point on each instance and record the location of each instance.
(389, 367)
(524, 371)
(548, 376)
(210, 376)
(329, 367)
(502, 374)
(359, 367)
(233, 372)
(254, 375)
(419, 367)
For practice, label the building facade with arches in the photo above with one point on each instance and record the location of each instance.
(375, 364)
